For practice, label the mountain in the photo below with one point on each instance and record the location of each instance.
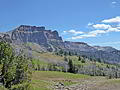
(50, 41)
(105, 54)
(38, 35)
(106, 49)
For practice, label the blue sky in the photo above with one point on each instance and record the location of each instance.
(96, 22)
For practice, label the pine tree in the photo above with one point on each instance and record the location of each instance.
(79, 58)
(71, 66)
(13, 69)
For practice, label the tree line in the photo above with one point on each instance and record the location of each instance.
(93, 69)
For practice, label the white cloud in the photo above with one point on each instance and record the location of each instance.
(118, 27)
(101, 26)
(83, 36)
(74, 32)
(65, 31)
(113, 29)
(90, 24)
(89, 34)
(112, 20)
(95, 33)
(99, 29)
(114, 2)
(76, 37)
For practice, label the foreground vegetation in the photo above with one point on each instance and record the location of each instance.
(15, 73)
(18, 72)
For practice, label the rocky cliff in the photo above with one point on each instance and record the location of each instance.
(5, 37)
(37, 35)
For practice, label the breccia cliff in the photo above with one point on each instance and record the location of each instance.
(39, 35)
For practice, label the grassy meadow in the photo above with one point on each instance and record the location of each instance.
(45, 80)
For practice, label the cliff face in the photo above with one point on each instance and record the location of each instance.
(5, 37)
(37, 35)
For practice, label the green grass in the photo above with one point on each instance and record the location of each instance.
(39, 62)
(50, 74)
(40, 85)
(43, 80)
(2, 88)
(67, 83)
(112, 81)
(47, 56)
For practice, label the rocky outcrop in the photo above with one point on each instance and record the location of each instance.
(106, 49)
(37, 35)
(79, 46)
(5, 37)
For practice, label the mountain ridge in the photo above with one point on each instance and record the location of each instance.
(52, 42)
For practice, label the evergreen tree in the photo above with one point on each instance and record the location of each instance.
(83, 61)
(65, 59)
(13, 69)
(71, 66)
(69, 53)
(79, 58)
(61, 52)
(65, 53)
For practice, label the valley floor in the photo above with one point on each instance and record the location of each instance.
(48, 80)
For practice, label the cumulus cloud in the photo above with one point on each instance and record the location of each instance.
(98, 29)
(101, 26)
(95, 33)
(112, 20)
(74, 32)
(83, 36)
(89, 34)
(76, 37)
(113, 29)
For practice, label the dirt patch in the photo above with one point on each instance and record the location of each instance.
(95, 83)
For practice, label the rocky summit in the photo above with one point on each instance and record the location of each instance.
(50, 41)
(36, 35)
